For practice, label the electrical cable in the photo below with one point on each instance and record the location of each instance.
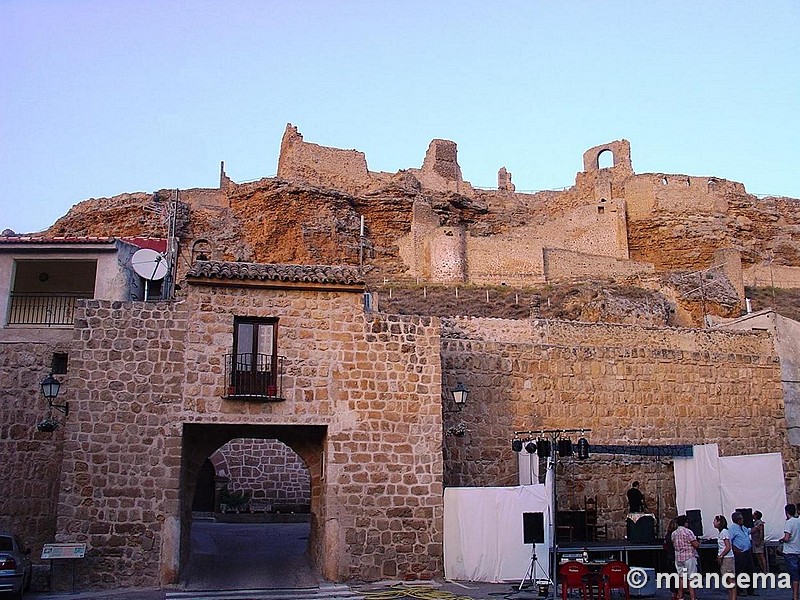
(416, 592)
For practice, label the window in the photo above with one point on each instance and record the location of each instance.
(255, 356)
(59, 364)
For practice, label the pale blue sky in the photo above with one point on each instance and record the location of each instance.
(101, 97)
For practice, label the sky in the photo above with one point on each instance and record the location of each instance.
(102, 97)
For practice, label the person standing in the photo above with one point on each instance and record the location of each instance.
(670, 550)
(635, 499)
(685, 543)
(791, 547)
(757, 538)
(742, 550)
(727, 563)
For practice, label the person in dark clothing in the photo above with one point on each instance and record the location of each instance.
(635, 499)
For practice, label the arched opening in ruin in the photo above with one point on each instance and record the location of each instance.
(265, 522)
(605, 159)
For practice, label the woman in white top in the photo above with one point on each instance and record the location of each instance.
(725, 555)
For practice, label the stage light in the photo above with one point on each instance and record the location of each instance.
(516, 445)
(543, 448)
(530, 447)
(583, 449)
(565, 447)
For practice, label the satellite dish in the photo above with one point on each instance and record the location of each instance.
(151, 265)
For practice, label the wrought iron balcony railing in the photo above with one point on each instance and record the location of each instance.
(254, 377)
(46, 309)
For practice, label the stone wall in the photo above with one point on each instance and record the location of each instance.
(272, 472)
(122, 445)
(560, 265)
(767, 275)
(629, 385)
(30, 460)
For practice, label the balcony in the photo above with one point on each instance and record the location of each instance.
(254, 377)
(44, 309)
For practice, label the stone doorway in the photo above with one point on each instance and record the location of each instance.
(275, 515)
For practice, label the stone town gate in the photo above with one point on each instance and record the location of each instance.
(261, 351)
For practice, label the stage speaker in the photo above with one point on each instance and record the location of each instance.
(642, 530)
(695, 522)
(533, 527)
(747, 514)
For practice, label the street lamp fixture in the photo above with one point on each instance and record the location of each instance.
(460, 394)
(50, 388)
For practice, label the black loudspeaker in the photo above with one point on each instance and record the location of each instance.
(533, 527)
(747, 514)
(695, 522)
(642, 530)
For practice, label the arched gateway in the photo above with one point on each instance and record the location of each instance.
(281, 352)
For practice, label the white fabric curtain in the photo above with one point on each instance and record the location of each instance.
(483, 536)
(720, 485)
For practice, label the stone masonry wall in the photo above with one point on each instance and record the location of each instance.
(122, 450)
(564, 264)
(270, 470)
(629, 385)
(30, 460)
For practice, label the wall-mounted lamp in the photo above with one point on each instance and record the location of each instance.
(50, 388)
(460, 394)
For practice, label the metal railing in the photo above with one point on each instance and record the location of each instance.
(46, 309)
(254, 377)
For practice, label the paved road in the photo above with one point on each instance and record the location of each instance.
(228, 556)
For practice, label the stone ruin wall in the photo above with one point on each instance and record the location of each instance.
(628, 384)
(670, 221)
(321, 165)
(770, 275)
(271, 471)
(562, 265)
(505, 259)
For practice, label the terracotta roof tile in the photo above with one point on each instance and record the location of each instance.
(275, 272)
(35, 239)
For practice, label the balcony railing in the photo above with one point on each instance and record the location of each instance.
(254, 377)
(44, 309)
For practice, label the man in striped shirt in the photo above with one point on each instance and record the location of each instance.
(686, 544)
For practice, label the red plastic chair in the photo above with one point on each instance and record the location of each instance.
(573, 576)
(615, 577)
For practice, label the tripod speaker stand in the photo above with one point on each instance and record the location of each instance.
(533, 533)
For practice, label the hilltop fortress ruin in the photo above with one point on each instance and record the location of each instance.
(264, 342)
(429, 225)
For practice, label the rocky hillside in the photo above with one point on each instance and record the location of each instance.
(273, 220)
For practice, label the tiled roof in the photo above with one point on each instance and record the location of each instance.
(35, 239)
(269, 272)
(157, 244)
